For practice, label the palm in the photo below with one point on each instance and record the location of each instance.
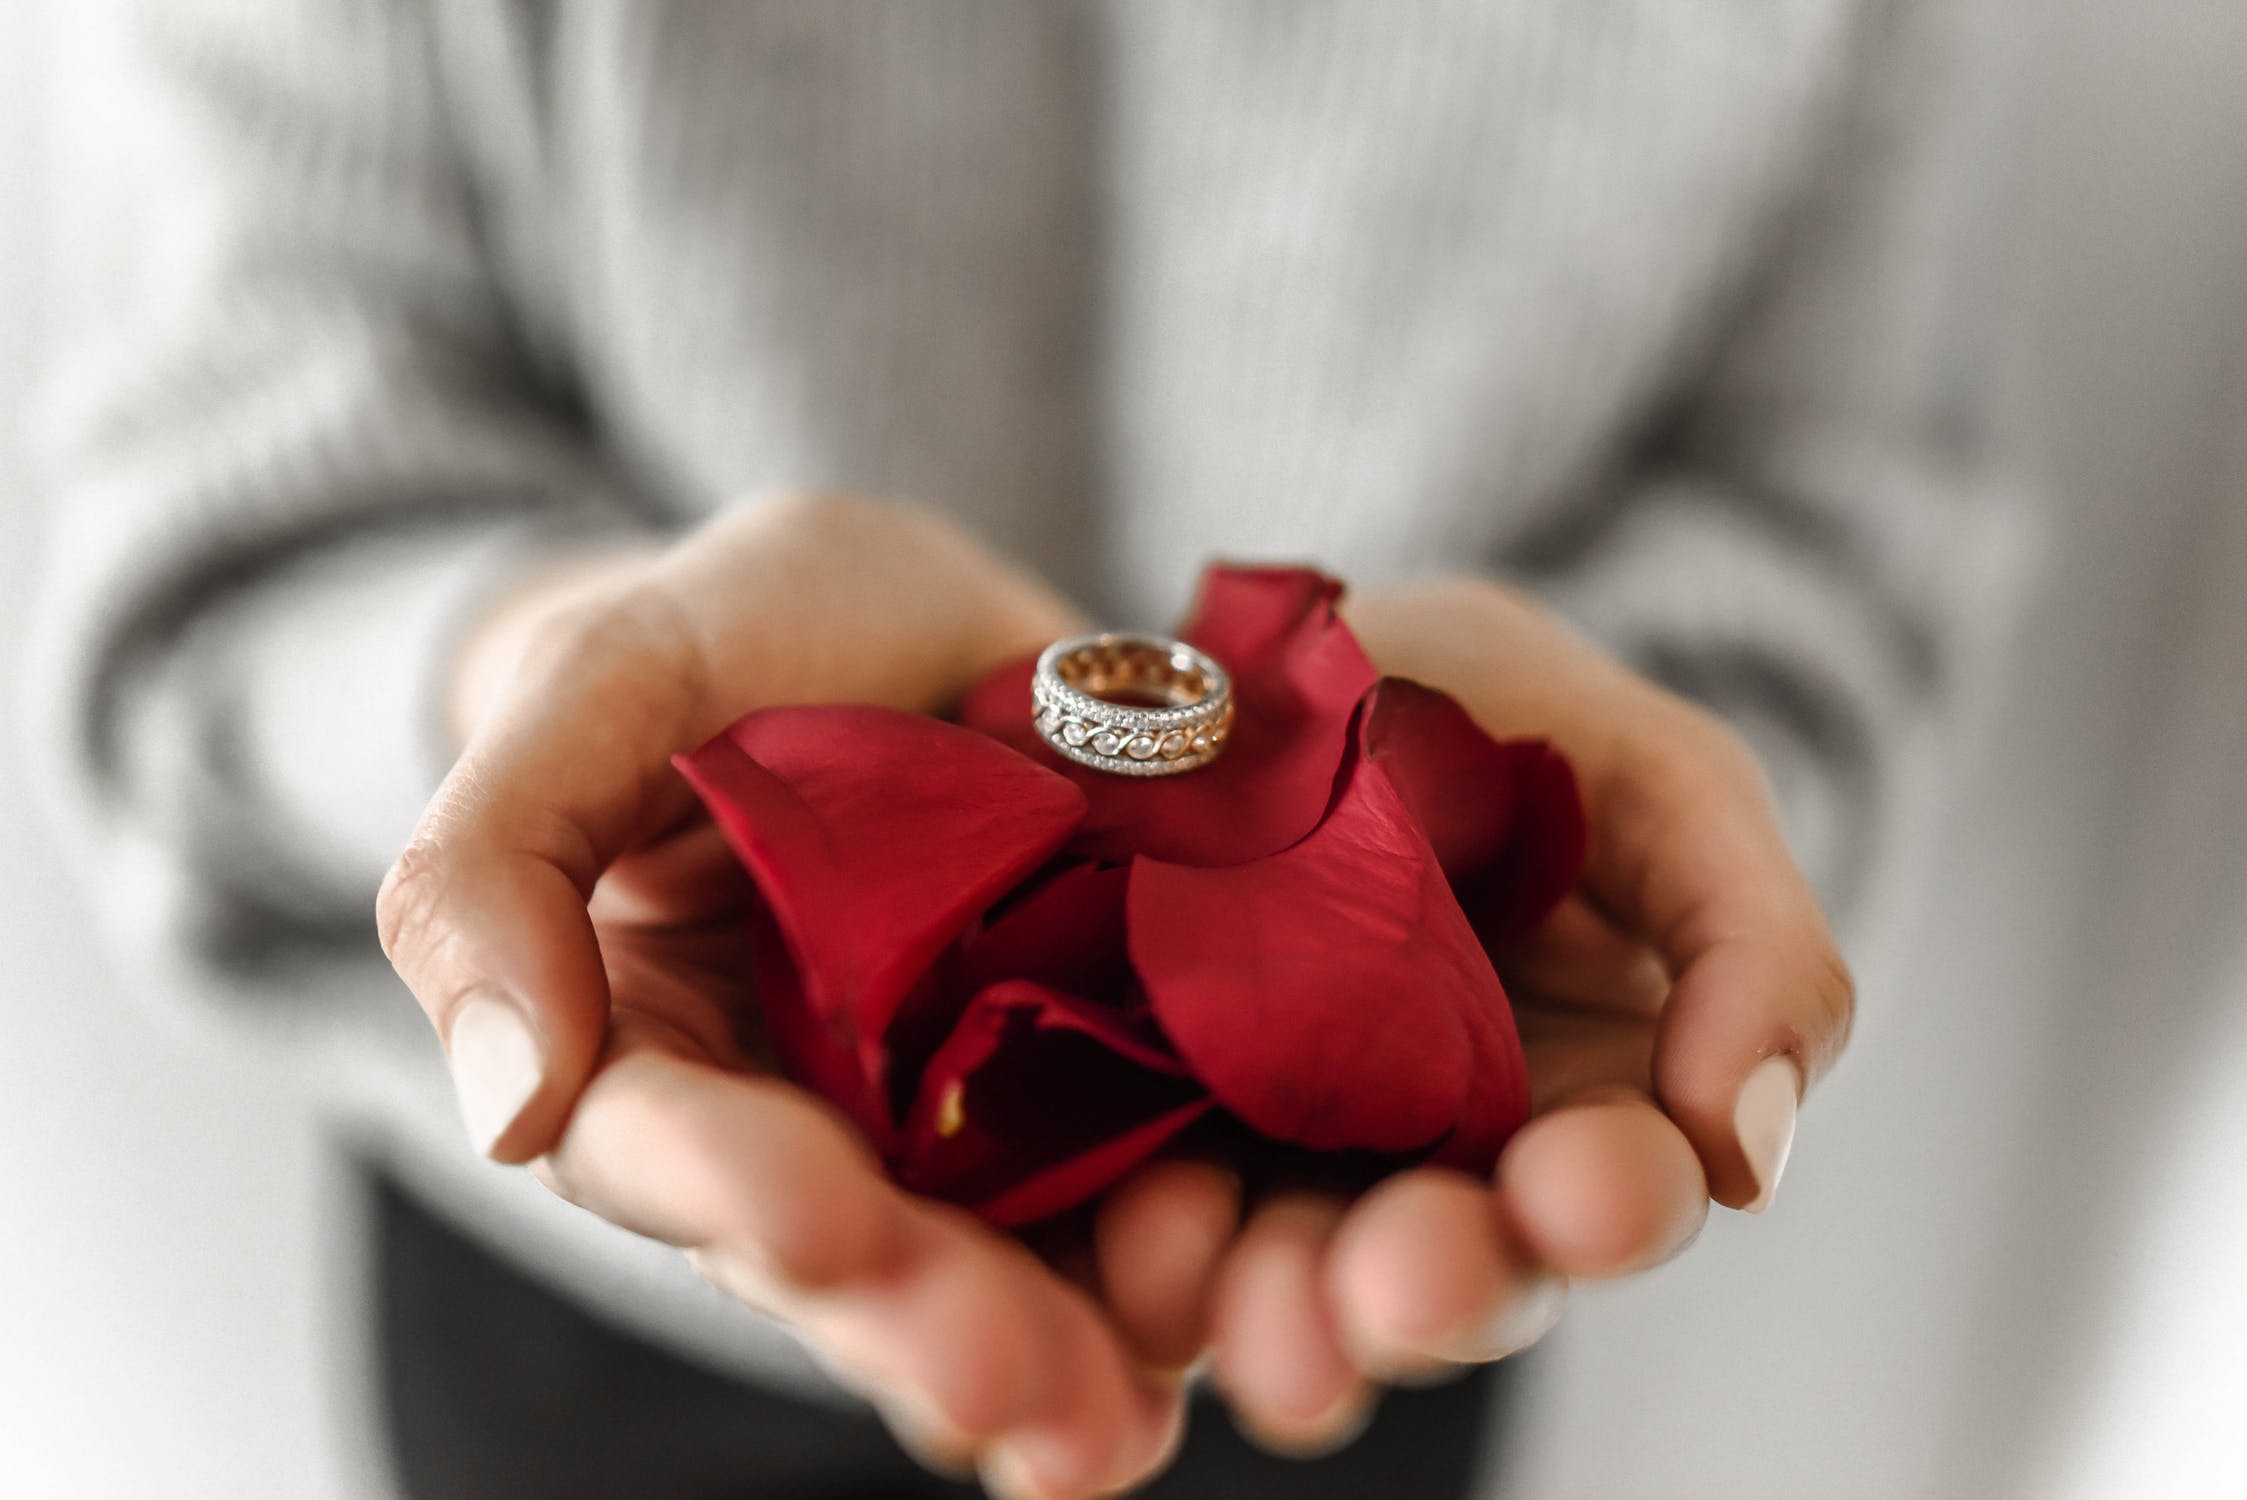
(669, 915)
(1573, 1049)
(1586, 1000)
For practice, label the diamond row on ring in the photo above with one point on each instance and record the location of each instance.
(1129, 747)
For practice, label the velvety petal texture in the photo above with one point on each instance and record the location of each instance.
(1504, 817)
(1333, 995)
(1023, 978)
(874, 837)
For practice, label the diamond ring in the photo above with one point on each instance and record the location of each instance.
(1132, 705)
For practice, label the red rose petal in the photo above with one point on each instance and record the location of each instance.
(874, 838)
(1333, 995)
(1066, 932)
(1062, 1186)
(824, 1058)
(1456, 779)
(999, 706)
(1246, 616)
(1297, 674)
(1503, 816)
(1038, 1101)
(1544, 853)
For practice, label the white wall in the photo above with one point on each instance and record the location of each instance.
(162, 1326)
(1961, 1292)
(1933, 1308)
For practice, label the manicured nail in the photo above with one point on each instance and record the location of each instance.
(1527, 1317)
(1764, 1121)
(496, 1068)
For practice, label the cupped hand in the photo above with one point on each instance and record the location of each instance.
(1673, 1010)
(570, 922)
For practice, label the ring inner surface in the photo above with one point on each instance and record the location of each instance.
(1134, 676)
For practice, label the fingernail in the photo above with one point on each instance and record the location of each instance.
(1764, 1122)
(495, 1064)
(1527, 1317)
(1329, 1432)
(934, 1443)
(1007, 1475)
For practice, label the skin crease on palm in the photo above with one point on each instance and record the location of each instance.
(565, 878)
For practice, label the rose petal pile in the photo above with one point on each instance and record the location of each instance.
(1021, 978)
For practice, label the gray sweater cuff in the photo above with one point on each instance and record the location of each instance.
(300, 732)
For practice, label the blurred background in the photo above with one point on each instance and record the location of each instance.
(2010, 1258)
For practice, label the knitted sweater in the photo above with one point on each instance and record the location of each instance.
(1652, 309)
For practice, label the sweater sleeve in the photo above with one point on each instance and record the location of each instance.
(322, 445)
(317, 443)
(1816, 538)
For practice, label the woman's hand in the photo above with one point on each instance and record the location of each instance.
(1672, 1010)
(570, 922)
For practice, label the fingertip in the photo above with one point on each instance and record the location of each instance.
(814, 1201)
(1603, 1189)
(1278, 1352)
(1733, 1085)
(1319, 1436)
(774, 1188)
(497, 1067)
(1692, 856)
(1773, 1004)
(510, 975)
(1425, 1279)
(1049, 1463)
(961, 1326)
(1093, 1424)
(1414, 1263)
(932, 1442)
(1160, 1238)
(1763, 1120)
(1169, 1434)
(1003, 1357)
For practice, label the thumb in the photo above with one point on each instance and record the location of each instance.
(819, 598)
(794, 598)
(484, 915)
